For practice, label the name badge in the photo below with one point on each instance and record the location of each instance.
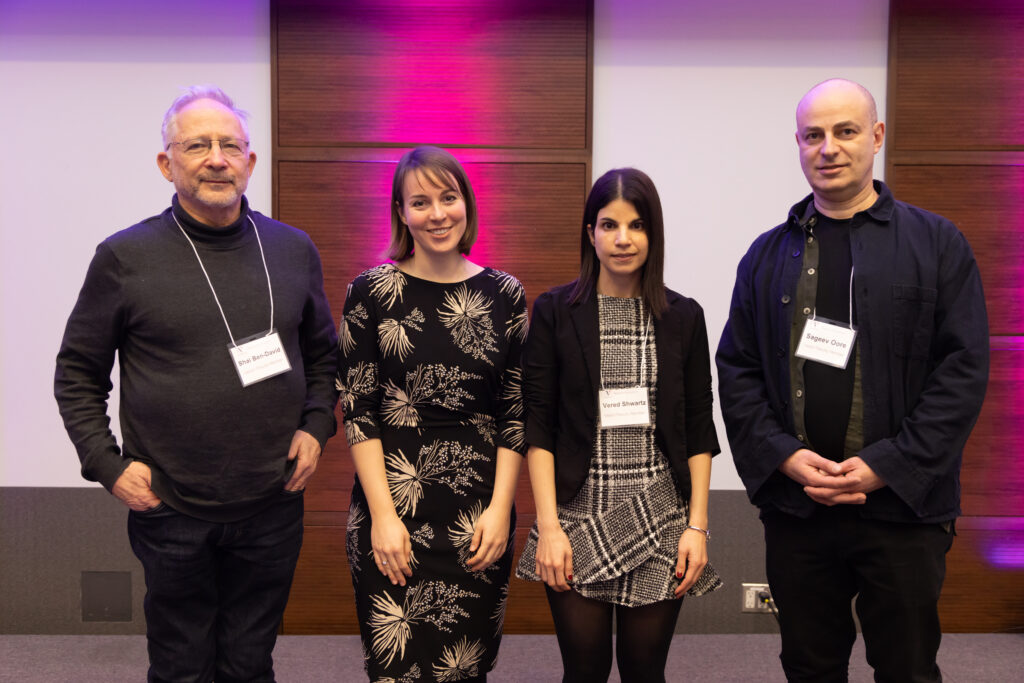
(259, 358)
(824, 341)
(624, 407)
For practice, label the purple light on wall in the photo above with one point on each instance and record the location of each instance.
(382, 179)
(441, 73)
(1005, 554)
(487, 247)
(464, 73)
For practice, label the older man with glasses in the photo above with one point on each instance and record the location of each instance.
(227, 355)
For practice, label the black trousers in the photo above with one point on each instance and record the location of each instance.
(216, 592)
(816, 566)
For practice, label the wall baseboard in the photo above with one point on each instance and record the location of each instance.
(60, 535)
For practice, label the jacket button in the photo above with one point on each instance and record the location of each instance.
(785, 298)
(799, 393)
(796, 252)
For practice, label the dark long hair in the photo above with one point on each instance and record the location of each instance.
(635, 187)
(439, 167)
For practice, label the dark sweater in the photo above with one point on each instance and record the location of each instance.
(218, 451)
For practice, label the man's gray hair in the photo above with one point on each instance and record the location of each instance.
(200, 92)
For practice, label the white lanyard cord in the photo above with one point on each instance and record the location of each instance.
(851, 297)
(814, 314)
(214, 291)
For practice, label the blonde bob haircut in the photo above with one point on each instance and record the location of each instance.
(439, 168)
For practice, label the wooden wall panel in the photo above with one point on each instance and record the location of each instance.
(471, 73)
(528, 610)
(992, 477)
(985, 203)
(959, 73)
(321, 599)
(983, 592)
(954, 146)
(345, 209)
(507, 86)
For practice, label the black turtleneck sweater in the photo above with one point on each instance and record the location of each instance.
(217, 450)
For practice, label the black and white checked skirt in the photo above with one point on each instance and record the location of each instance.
(624, 524)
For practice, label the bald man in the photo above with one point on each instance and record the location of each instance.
(851, 371)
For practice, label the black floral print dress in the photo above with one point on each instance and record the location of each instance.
(432, 370)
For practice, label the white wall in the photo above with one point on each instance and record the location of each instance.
(699, 94)
(84, 89)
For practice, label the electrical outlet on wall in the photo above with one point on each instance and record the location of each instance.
(754, 599)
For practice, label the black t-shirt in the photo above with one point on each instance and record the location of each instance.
(829, 389)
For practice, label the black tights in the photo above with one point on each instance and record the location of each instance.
(584, 630)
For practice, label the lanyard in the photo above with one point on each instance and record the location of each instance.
(214, 292)
(643, 350)
(814, 315)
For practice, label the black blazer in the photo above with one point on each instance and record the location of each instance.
(561, 378)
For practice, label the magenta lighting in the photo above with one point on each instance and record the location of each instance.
(1005, 554)
(457, 74)
(441, 62)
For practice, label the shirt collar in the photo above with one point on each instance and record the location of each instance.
(881, 211)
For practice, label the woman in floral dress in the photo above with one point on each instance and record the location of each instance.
(430, 386)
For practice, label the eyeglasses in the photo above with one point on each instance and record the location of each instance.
(200, 147)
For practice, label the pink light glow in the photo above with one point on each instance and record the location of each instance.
(421, 108)
(468, 73)
(1005, 554)
(487, 246)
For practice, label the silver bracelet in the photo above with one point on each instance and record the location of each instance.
(707, 534)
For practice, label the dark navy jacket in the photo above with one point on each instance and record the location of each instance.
(923, 338)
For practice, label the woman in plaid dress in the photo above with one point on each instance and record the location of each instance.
(617, 392)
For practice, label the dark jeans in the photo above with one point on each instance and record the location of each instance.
(215, 592)
(815, 568)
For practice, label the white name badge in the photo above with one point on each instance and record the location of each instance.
(624, 407)
(826, 342)
(260, 358)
